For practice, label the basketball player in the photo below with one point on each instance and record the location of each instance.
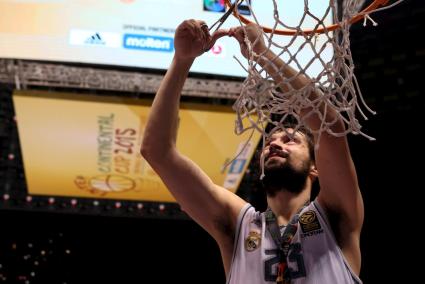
(294, 241)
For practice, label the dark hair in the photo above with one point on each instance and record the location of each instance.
(292, 122)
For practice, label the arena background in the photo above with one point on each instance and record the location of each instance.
(46, 239)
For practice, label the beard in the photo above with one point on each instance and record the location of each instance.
(280, 177)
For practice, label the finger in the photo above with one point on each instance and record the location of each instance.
(184, 26)
(204, 36)
(232, 31)
(202, 31)
(202, 24)
(204, 27)
(188, 28)
(239, 35)
(219, 33)
(196, 28)
(215, 36)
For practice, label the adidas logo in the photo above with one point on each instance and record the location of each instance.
(95, 39)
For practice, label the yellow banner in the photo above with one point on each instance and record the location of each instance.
(88, 146)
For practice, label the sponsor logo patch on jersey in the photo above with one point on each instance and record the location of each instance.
(253, 241)
(309, 222)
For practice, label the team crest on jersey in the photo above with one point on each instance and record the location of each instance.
(253, 241)
(309, 222)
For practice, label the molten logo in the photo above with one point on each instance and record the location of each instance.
(146, 42)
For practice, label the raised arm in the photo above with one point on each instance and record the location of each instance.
(210, 205)
(339, 191)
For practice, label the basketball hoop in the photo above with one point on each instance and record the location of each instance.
(334, 84)
(373, 7)
(335, 80)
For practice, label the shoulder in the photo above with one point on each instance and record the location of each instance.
(248, 214)
(348, 242)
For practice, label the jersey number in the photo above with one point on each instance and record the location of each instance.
(294, 256)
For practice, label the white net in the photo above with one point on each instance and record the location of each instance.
(333, 89)
(332, 94)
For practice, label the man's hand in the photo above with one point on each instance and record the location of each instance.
(192, 39)
(255, 36)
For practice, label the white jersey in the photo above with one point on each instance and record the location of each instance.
(314, 256)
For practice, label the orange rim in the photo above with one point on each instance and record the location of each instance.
(373, 6)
